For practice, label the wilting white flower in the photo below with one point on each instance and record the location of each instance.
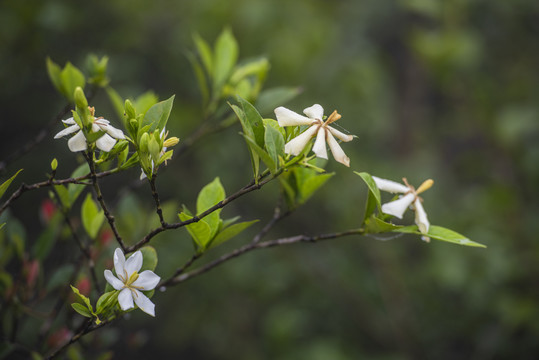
(130, 283)
(78, 142)
(411, 196)
(324, 133)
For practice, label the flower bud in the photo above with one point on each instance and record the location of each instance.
(171, 142)
(130, 110)
(54, 164)
(80, 98)
(155, 149)
(144, 141)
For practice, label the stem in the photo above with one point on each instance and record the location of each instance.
(277, 216)
(101, 200)
(156, 199)
(253, 246)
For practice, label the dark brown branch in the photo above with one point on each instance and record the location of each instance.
(156, 199)
(78, 180)
(246, 189)
(277, 216)
(93, 176)
(253, 246)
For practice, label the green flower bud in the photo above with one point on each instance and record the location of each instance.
(144, 142)
(155, 148)
(130, 110)
(54, 164)
(80, 99)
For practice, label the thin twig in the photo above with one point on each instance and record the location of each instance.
(246, 189)
(277, 216)
(253, 246)
(78, 180)
(156, 199)
(101, 200)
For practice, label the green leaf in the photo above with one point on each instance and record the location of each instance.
(274, 143)
(225, 57)
(6, 183)
(257, 67)
(84, 299)
(92, 218)
(205, 53)
(81, 309)
(209, 196)
(149, 258)
(71, 78)
(308, 187)
(225, 223)
(374, 199)
(145, 101)
(230, 232)
(74, 190)
(63, 194)
(157, 116)
(375, 225)
(262, 154)
(248, 131)
(54, 74)
(441, 233)
(201, 77)
(269, 99)
(200, 231)
(254, 121)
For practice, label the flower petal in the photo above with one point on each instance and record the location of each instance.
(134, 263)
(319, 147)
(337, 151)
(105, 143)
(119, 264)
(315, 112)
(421, 217)
(297, 144)
(144, 303)
(390, 186)
(69, 121)
(113, 280)
(399, 206)
(125, 299)
(340, 135)
(112, 131)
(68, 130)
(147, 280)
(287, 117)
(77, 142)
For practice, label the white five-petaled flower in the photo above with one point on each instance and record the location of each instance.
(411, 196)
(78, 142)
(130, 283)
(324, 133)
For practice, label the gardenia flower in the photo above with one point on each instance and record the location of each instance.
(411, 195)
(131, 283)
(324, 133)
(78, 142)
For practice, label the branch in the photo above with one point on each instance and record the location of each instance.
(253, 246)
(156, 199)
(277, 216)
(246, 189)
(78, 180)
(101, 200)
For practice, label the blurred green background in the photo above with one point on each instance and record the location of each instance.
(447, 90)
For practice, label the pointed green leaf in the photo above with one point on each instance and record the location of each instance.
(74, 190)
(46, 240)
(200, 231)
(264, 156)
(54, 74)
(92, 218)
(6, 183)
(71, 78)
(145, 101)
(375, 225)
(441, 233)
(374, 199)
(248, 131)
(157, 116)
(81, 309)
(274, 143)
(255, 121)
(106, 301)
(84, 299)
(230, 232)
(209, 196)
(257, 67)
(201, 77)
(308, 187)
(205, 53)
(225, 57)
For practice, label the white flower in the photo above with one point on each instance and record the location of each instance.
(130, 282)
(78, 142)
(324, 133)
(411, 196)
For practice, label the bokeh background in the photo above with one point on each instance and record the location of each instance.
(447, 90)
